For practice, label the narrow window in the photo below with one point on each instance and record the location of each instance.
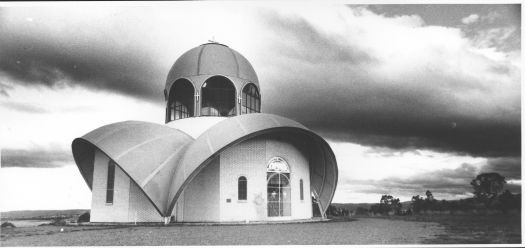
(242, 188)
(111, 182)
(250, 100)
(301, 189)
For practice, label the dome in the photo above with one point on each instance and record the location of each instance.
(211, 80)
(212, 59)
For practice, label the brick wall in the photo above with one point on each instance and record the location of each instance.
(201, 197)
(249, 159)
(245, 159)
(140, 208)
(129, 202)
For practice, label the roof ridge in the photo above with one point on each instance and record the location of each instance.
(199, 60)
(236, 62)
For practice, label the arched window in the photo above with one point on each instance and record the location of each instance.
(278, 187)
(242, 188)
(251, 100)
(218, 97)
(301, 192)
(180, 101)
(110, 182)
(278, 164)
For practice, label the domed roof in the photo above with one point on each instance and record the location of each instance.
(212, 59)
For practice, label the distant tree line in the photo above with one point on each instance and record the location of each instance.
(488, 195)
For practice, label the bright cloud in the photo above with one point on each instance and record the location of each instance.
(470, 19)
(39, 118)
(36, 189)
(367, 173)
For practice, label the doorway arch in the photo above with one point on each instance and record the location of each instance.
(278, 188)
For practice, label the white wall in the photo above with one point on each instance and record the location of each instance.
(129, 202)
(249, 159)
(245, 159)
(100, 210)
(201, 197)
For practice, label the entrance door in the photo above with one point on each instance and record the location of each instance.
(278, 189)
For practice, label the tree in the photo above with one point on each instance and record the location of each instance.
(389, 203)
(417, 203)
(430, 203)
(430, 197)
(487, 186)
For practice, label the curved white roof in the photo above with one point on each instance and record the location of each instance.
(146, 152)
(195, 126)
(162, 160)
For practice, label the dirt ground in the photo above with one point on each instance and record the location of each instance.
(473, 229)
(417, 229)
(358, 231)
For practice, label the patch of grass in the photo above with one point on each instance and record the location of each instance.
(46, 230)
(473, 229)
(341, 218)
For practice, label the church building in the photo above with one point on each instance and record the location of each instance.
(216, 159)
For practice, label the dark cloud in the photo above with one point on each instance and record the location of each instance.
(37, 109)
(4, 88)
(509, 167)
(389, 152)
(36, 158)
(475, 138)
(24, 107)
(3, 91)
(32, 57)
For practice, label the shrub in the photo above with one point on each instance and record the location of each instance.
(58, 222)
(8, 224)
(83, 217)
(335, 211)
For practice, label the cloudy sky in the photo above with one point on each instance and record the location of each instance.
(410, 97)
